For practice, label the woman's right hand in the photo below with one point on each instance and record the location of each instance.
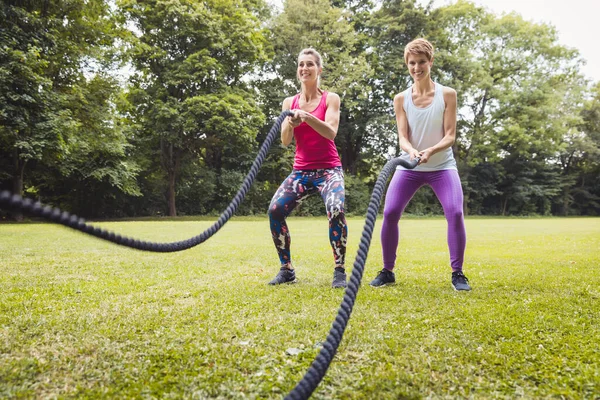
(413, 153)
(294, 120)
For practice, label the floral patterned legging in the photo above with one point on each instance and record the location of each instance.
(300, 184)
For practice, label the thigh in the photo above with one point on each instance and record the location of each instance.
(330, 184)
(295, 188)
(402, 188)
(448, 189)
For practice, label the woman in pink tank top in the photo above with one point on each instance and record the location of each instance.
(317, 167)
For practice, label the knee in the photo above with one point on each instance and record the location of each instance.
(335, 212)
(392, 214)
(455, 214)
(276, 212)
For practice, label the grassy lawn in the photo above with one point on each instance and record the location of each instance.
(83, 318)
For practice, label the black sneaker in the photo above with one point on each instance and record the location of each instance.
(385, 277)
(460, 281)
(339, 278)
(285, 275)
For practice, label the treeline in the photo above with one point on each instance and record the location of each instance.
(158, 107)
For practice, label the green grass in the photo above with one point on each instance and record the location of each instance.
(83, 318)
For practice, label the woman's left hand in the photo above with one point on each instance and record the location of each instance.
(303, 115)
(424, 155)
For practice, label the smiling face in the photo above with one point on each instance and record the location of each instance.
(419, 66)
(308, 68)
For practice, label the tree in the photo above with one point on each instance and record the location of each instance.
(579, 158)
(189, 94)
(52, 53)
(511, 75)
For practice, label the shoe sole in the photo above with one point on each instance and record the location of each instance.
(460, 290)
(385, 284)
(284, 283)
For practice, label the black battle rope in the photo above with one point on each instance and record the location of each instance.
(319, 366)
(16, 202)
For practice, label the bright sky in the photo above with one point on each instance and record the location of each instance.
(577, 23)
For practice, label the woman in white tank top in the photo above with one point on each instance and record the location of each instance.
(426, 121)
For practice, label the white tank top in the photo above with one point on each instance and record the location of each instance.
(426, 129)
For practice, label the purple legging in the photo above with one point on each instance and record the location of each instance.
(447, 188)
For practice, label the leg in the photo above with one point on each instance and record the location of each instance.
(446, 186)
(331, 188)
(402, 188)
(290, 193)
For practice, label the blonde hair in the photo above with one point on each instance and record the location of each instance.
(419, 46)
(312, 52)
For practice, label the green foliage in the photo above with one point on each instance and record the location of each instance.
(580, 160)
(189, 98)
(56, 101)
(206, 80)
(512, 92)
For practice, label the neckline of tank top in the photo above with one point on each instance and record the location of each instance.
(320, 101)
(436, 86)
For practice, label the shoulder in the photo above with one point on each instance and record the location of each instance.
(332, 99)
(399, 99)
(448, 92)
(287, 102)
(332, 96)
(449, 96)
(402, 95)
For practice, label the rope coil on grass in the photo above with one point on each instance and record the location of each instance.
(16, 202)
(307, 385)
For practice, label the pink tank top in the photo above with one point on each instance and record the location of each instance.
(313, 151)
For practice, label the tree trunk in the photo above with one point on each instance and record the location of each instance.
(171, 194)
(466, 194)
(170, 159)
(18, 181)
(566, 203)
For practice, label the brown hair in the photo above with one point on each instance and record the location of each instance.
(419, 46)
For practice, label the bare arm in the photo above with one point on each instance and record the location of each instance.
(402, 124)
(287, 128)
(328, 128)
(449, 126)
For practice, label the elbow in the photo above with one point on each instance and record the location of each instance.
(451, 139)
(333, 133)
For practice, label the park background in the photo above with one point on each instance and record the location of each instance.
(158, 108)
(122, 109)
